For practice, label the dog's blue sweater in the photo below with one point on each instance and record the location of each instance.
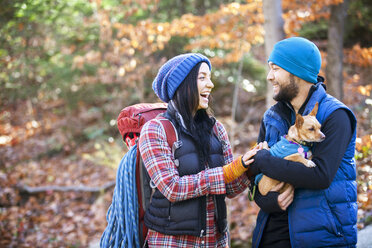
(284, 147)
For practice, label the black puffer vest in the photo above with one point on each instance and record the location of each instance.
(187, 217)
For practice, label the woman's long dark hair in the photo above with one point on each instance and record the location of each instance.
(198, 122)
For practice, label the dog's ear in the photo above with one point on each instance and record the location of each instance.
(299, 121)
(315, 109)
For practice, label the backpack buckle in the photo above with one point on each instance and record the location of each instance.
(175, 146)
(177, 162)
(152, 184)
(131, 139)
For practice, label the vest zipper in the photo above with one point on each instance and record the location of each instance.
(215, 206)
(204, 215)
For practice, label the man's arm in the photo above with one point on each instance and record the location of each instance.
(273, 202)
(327, 155)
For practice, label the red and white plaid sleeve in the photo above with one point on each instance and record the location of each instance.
(157, 157)
(240, 184)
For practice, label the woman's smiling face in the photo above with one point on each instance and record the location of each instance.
(205, 85)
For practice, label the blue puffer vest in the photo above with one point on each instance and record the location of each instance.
(318, 218)
(187, 217)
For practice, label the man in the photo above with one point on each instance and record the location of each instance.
(324, 208)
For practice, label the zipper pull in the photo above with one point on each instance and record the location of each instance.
(201, 233)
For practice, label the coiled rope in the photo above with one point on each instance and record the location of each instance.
(122, 215)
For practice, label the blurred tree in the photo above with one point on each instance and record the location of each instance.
(37, 40)
(359, 24)
(274, 32)
(200, 7)
(334, 66)
(8, 10)
(182, 7)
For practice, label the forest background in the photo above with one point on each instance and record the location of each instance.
(67, 68)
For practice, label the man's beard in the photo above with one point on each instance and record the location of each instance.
(288, 92)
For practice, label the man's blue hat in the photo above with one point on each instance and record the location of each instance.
(298, 56)
(173, 72)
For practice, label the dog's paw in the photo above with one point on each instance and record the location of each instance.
(310, 163)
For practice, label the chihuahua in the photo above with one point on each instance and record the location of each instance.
(305, 131)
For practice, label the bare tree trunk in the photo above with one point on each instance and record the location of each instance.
(335, 43)
(274, 32)
(238, 78)
(182, 7)
(200, 8)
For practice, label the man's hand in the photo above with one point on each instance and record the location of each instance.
(286, 198)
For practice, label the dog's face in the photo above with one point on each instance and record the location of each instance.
(307, 128)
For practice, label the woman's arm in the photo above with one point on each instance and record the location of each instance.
(240, 184)
(157, 157)
(274, 202)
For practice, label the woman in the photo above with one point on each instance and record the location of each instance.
(188, 207)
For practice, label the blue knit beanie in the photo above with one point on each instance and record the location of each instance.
(298, 56)
(173, 72)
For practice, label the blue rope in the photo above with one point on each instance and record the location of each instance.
(122, 215)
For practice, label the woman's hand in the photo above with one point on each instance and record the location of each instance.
(265, 145)
(240, 165)
(247, 157)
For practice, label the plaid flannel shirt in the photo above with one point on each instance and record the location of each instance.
(157, 157)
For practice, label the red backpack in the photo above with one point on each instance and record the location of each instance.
(130, 122)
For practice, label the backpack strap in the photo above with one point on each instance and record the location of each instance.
(170, 131)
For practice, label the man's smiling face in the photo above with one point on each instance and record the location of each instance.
(285, 87)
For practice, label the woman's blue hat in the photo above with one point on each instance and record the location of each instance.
(173, 72)
(298, 56)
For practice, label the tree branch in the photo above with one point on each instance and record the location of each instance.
(43, 189)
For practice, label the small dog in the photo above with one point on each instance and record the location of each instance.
(305, 130)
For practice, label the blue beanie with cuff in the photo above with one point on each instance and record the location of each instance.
(298, 56)
(173, 72)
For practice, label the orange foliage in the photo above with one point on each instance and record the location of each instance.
(359, 56)
(296, 13)
(365, 90)
(365, 141)
(234, 28)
